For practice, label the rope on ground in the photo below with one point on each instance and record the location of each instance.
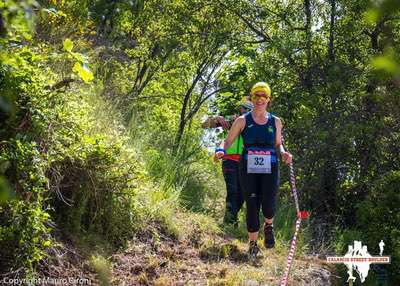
(300, 216)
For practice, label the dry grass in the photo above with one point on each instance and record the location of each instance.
(204, 255)
(201, 254)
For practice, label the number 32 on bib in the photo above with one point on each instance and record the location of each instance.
(258, 163)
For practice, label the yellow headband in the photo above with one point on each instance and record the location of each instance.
(261, 86)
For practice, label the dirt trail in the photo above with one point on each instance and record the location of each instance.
(200, 257)
(211, 261)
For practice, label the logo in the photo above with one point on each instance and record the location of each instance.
(251, 125)
(358, 258)
(270, 130)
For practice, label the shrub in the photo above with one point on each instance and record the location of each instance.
(379, 219)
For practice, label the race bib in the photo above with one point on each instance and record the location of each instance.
(259, 162)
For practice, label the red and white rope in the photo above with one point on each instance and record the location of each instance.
(293, 184)
(290, 257)
(300, 215)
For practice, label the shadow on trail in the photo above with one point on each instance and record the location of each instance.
(227, 248)
(224, 251)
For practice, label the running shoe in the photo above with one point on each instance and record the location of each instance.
(253, 249)
(269, 237)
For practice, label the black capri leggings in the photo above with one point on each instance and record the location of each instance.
(259, 190)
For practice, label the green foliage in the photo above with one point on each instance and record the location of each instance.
(45, 136)
(388, 64)
(25, 234)
(101, 192)
(382, 202)
(188, 170)
(237, 78)
(377, 219)
(203, 190)
(99, 151)
(18, 19)
(5, 191)
(80, 65)
(96, 198)
(102, 267)
(381, 9)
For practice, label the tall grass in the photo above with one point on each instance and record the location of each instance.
(187, 171)
(285, 225)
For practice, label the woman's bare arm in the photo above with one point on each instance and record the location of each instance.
(286, 156)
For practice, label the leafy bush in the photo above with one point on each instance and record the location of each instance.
(69, 169)
(24, 229)
(98, 192)
(377, 218)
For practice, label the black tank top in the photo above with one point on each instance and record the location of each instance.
(256, 135)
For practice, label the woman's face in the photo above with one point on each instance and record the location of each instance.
(260, 99)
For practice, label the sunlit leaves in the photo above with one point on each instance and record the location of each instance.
(68, 45)
(381, 9)
(54, 12)
(18, 18)
(372, 15)
(83, 71)
(80, 67)
(386, 63)
(380, 13)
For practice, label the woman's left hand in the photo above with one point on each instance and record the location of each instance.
(287, 157)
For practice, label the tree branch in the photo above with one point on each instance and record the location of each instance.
(60, 84)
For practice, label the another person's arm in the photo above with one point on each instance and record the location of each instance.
(286, 156)
(217, 121)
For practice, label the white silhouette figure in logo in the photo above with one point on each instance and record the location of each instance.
(363, 268)
(358, 258)
(349, 265)
(381, 245)
(357, 248)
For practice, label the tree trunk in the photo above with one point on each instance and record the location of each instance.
(308, 77)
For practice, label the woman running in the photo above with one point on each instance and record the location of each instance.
(259, 168)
